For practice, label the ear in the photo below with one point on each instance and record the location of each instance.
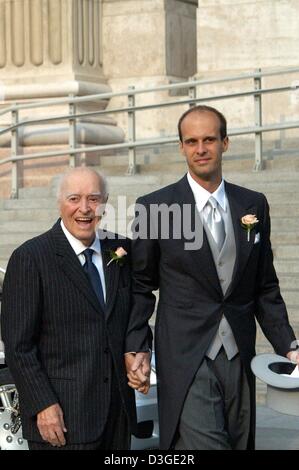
(181, 147)
(225, 144)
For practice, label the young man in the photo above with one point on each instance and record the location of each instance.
(210, 295)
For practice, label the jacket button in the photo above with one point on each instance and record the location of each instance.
(106, 379)
(106, 350)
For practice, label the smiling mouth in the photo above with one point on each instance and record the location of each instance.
(84, 221)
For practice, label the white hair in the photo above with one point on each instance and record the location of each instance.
(102, 181)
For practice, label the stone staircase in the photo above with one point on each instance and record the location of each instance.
(36, 210)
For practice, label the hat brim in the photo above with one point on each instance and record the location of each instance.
(270, 367)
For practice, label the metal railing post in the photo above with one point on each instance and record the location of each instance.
(72, 133)
(258, 164)
(131, 133)
(14, 152)
(192, 93)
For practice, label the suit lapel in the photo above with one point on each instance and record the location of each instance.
(71, 266)
(201, 259)
(239, 207)
(111, 272)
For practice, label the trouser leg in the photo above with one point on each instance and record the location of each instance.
(216, 412)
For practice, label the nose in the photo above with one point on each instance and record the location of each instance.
(84, 205)
(201, 147)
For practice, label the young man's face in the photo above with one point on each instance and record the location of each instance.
(80, 206)
(202, 146)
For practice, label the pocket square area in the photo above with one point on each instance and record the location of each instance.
(257, 238)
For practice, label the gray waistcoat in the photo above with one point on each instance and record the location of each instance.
(224, 262)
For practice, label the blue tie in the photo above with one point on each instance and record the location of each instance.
(94, 277)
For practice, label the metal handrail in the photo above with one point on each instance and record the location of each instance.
(147, 143)
(63, 117)
(132, 144)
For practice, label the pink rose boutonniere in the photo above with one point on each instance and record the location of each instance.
(118, 255)
(248, 222)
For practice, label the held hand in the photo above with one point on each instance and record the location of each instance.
(138, 371)
(51, 425)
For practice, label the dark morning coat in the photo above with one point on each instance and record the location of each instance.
(191, 301)
(59, 344)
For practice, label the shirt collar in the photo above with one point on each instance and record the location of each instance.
(77, 245)
(201, 195)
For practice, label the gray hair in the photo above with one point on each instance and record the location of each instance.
(83, 169)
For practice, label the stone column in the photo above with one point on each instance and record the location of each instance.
(51, 49)
(239, 37)
(149, 43)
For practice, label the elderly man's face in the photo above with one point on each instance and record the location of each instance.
(81, 205)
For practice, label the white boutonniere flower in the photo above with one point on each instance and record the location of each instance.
(248, 222)
(118, 255)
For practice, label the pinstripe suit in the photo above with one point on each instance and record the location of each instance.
(60, 346)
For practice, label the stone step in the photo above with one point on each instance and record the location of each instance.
(120, 201)
(286, 251)
(28, 214)
(285, 197)
(278, 210)
(6, 250)
(293, 312)
(284, 224)
(286, 265)
(16, 238)
(131, 191)
(291, 296)
(276, 163)
(175, 164)
(289, 281)
(130, 195)
(3, 264)
(41, 203)
(261, 392)
(263, 346)
(25, 226)
(244, 177)
(284, 238)
(270, 186)
(135, 180)
(36, 192)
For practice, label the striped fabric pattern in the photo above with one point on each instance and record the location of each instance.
(59, 344)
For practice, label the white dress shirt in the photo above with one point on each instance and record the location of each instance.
(79, 247)
(201, 196)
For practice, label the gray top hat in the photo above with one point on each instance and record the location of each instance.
(282, 391)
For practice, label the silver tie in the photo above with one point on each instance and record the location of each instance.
(215, 222)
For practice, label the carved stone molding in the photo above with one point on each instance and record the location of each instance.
(41, 35)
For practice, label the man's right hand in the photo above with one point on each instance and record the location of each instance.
(51, 425)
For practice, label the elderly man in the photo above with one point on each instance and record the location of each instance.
(65, 309)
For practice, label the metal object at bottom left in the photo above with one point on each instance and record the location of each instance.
(10, 435)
